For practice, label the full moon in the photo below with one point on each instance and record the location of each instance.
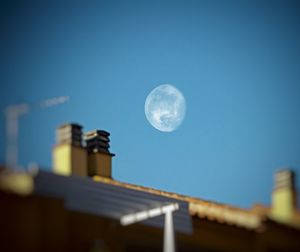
(165, 108)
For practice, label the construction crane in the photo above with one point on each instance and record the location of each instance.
(12, 115)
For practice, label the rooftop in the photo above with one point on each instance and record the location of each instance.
(251, 219)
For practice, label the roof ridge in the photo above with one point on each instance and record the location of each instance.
(189, 199)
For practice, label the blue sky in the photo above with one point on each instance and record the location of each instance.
(236, 62)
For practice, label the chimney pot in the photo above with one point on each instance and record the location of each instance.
(284, 196)
(99, 156)
(69, 156)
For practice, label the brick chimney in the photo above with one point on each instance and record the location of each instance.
(99, 156)
(284, 196)
(69, 155)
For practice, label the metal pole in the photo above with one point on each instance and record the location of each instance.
(12, 114)
(169, 236)
(167, 210)
(11, 140)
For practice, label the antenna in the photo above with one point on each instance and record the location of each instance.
(12, 114)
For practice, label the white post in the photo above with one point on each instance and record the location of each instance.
(169, 239)
(167, 210)
(12, 114)
(11, 140)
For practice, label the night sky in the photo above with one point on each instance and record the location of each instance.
(236, 62)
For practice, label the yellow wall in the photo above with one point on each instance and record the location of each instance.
(69, 160)
(283, 204)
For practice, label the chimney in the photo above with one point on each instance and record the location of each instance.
(284, 196)
(69, 156)
(99, 156)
